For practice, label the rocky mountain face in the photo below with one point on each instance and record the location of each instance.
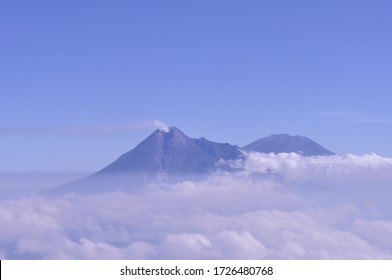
(172, 152)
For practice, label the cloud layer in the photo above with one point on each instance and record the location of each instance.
(270, 207)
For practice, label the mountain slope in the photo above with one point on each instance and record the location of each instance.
(170, 154)
(284, 143)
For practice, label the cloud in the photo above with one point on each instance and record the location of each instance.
(369, 120)
(366, 229)
(281, 206)
(294, 167)
(334, 113)
(78, 129)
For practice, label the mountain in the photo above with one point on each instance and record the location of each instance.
(170, 156)
(164, 154)
(284, 143)
(172, 152)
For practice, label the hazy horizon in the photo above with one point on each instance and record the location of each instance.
(269, 207)
(158, 125)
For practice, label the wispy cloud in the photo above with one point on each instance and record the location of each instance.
(335, 113)
(369, 120)
(78, 129)
(350, 116)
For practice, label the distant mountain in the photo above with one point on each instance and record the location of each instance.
(165, 153)
(284, 143)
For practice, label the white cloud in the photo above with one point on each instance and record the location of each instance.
(273, 206)
(185, 246)
(383, 228)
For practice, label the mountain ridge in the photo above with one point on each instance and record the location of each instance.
(171, 154)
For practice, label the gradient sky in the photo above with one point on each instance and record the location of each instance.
(82, 81)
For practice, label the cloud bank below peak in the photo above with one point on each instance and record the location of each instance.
(281, 206)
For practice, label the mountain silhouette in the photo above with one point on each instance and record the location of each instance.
(166, 154)
(172, 152)
(284, 143)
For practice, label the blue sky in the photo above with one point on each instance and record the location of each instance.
(81, 82)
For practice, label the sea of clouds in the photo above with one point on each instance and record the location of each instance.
(268, 206)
